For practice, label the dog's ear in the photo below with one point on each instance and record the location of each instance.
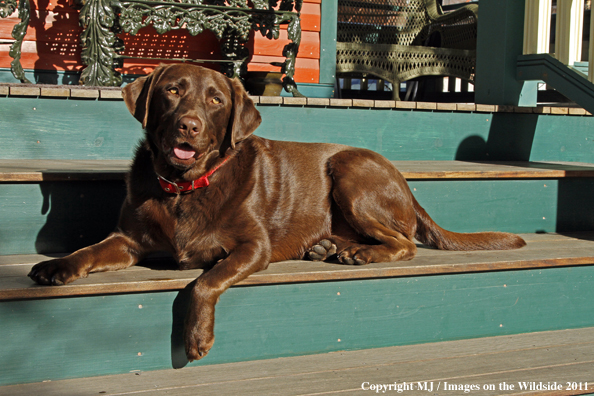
(244, 117)
(137, 95)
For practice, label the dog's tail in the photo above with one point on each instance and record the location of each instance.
(429, 233)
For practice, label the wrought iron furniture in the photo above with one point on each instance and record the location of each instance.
(230, 20)
(398, 40)
(7, 8)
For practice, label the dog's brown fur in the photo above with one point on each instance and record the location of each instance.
(269, 200)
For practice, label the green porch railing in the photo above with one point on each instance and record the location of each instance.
(513, 52)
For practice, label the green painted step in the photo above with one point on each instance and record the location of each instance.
(63, 205)
(503, 365)
(160, 272)
(31, 170)
(118, 322)
(94, 128)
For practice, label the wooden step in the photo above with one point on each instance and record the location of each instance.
(73, 128)
(503, 365)
(63, 205)
(73, 170)
(122, 321)
(62, 170)
(159, 274)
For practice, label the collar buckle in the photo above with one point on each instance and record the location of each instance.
(169, 186)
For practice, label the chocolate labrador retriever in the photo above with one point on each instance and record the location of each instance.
(219, 198)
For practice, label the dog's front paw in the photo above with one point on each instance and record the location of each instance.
(321, 251)
(198, 342)
(56, 272)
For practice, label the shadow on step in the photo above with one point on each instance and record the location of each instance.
(78, 214)
(575, 211)
(510, 139)
(178, 311)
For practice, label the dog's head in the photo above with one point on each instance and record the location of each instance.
(191, 115)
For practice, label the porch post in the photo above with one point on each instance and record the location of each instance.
(499, 43)
(329, 9)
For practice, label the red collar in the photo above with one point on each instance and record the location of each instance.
(183, 187)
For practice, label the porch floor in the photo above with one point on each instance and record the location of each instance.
(503, 365)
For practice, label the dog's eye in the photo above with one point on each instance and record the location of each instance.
(216, 100)
(173, 90)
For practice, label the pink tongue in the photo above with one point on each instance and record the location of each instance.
(183, 153)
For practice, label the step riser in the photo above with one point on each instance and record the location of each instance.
(54, 217)
(67, 129)
(103, 129)
(120, 333)
(57, 216)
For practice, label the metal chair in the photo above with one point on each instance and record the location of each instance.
(398, 40)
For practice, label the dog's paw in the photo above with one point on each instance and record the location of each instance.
(55, 272)
(354, 255)
(197, 344)
(321, 251)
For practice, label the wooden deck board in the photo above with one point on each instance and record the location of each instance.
(71, 170)
(555, 356)
(62, 170)
(542, 251)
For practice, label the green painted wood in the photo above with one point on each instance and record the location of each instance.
(42, 76)
(329, 12)
(54, 217)
(66, 129)
(418, 135)
(499, 42)
(75, 337)
(100, 129)
(492, 206)
(571, 83)
(514, 206)
(58, 216)
(398, 135)
(53, 77)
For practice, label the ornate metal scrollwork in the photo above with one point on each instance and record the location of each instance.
(7, 8)
(165, 17)
(269, 26)
(290, 53)
(230, 20)
(99, 44)
(233, 49)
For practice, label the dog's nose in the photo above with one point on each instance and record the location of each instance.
(190, 124)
